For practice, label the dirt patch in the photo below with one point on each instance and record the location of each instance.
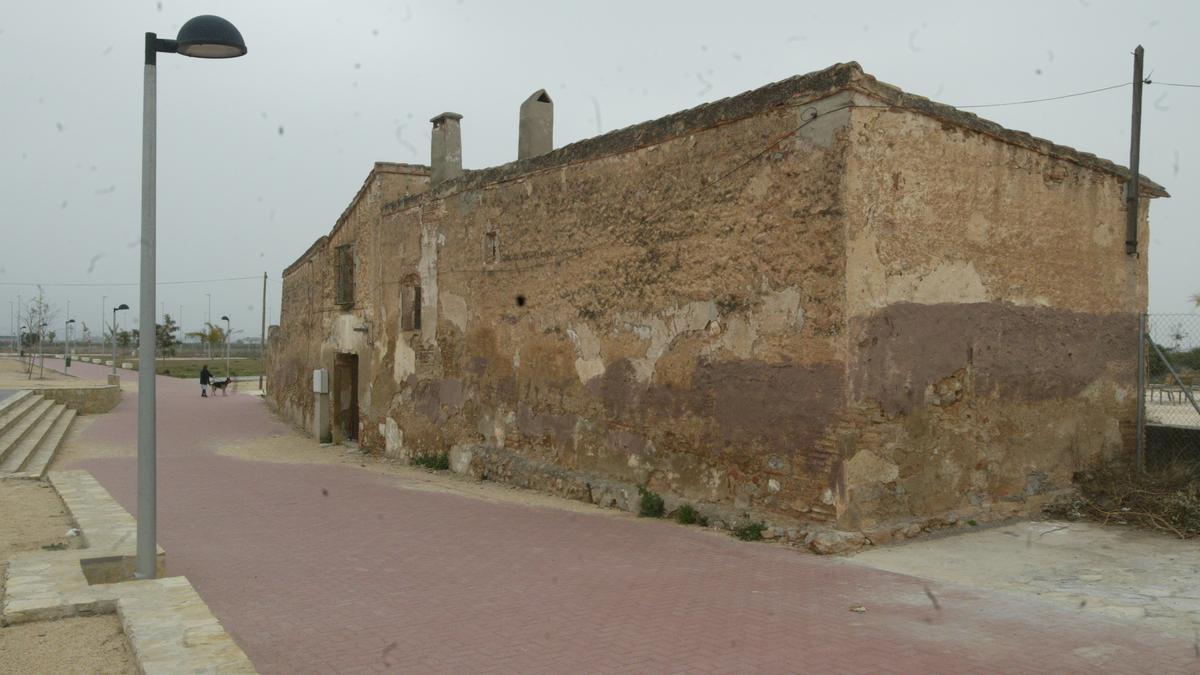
(14, 374)
(91, 644)
(34, 519)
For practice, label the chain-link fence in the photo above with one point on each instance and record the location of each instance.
(1171, 385)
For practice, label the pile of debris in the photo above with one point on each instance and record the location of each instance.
(1165, 497)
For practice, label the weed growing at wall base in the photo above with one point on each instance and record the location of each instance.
(686, 514)
(438, 462)
(651, 504)
(750, 531)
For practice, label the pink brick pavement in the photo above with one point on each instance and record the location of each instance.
(377, 578)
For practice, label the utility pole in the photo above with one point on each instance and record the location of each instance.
(1132, 205)
(207, 324)
(262, 340)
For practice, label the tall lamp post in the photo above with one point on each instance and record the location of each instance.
(208, 328)
(116, 309)
(67, 332)
(227, 334)
(205, 37)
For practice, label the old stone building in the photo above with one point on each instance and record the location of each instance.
(824, 300)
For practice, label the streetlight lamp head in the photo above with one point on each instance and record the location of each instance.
(122, 306)
(224, 318)
(210, 37)
(70, 320)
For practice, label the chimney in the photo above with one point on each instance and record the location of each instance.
(536, 134)
(445, 157)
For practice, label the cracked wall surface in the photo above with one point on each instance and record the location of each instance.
(800, 302)
(992, 320)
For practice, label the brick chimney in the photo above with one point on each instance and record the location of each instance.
(536, 134)
(445, 157)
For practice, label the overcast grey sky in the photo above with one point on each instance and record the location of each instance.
(258, 156)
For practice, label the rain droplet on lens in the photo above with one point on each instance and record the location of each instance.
(280, 129)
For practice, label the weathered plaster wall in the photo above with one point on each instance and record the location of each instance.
(313, 328)
(992, 318)
(800, 301)
(650, 316)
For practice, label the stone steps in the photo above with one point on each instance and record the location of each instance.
(19, 429)
(15, 407)
(40, 460)
(31, 431)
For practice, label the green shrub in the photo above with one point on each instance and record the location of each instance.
(438, 462)
(651, 505)
(686, 514)
(750, 531)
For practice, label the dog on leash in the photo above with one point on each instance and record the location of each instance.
(223, 385)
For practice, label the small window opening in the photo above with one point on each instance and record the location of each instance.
(344, 290)
(520, 301)
(410, 304)
(416, 311)
(491, 247)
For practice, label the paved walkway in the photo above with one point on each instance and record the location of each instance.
(327, 568)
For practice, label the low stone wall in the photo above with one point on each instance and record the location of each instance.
(87, 400)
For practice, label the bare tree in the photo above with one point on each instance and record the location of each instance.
(38, 316)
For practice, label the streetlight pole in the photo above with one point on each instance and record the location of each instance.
(207, 37)
(67, 332)
(207, 328)
(227, 334)
(116, 309)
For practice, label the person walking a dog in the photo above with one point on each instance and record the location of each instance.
(205, 378)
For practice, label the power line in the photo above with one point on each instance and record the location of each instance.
(127, 283)
(1173, 84)
(1043, 100)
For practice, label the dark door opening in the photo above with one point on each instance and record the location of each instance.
(345, 388)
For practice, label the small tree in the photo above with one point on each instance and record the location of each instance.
(211, 335)
(164, 334)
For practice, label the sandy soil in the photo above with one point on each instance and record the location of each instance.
(91, 644)
(1117, 572)
(14, 376)
(34, 518)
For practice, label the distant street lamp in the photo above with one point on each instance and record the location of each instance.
(227, 334)
(67, 331)
(205, 37)
(116, 309)
(207, 328)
